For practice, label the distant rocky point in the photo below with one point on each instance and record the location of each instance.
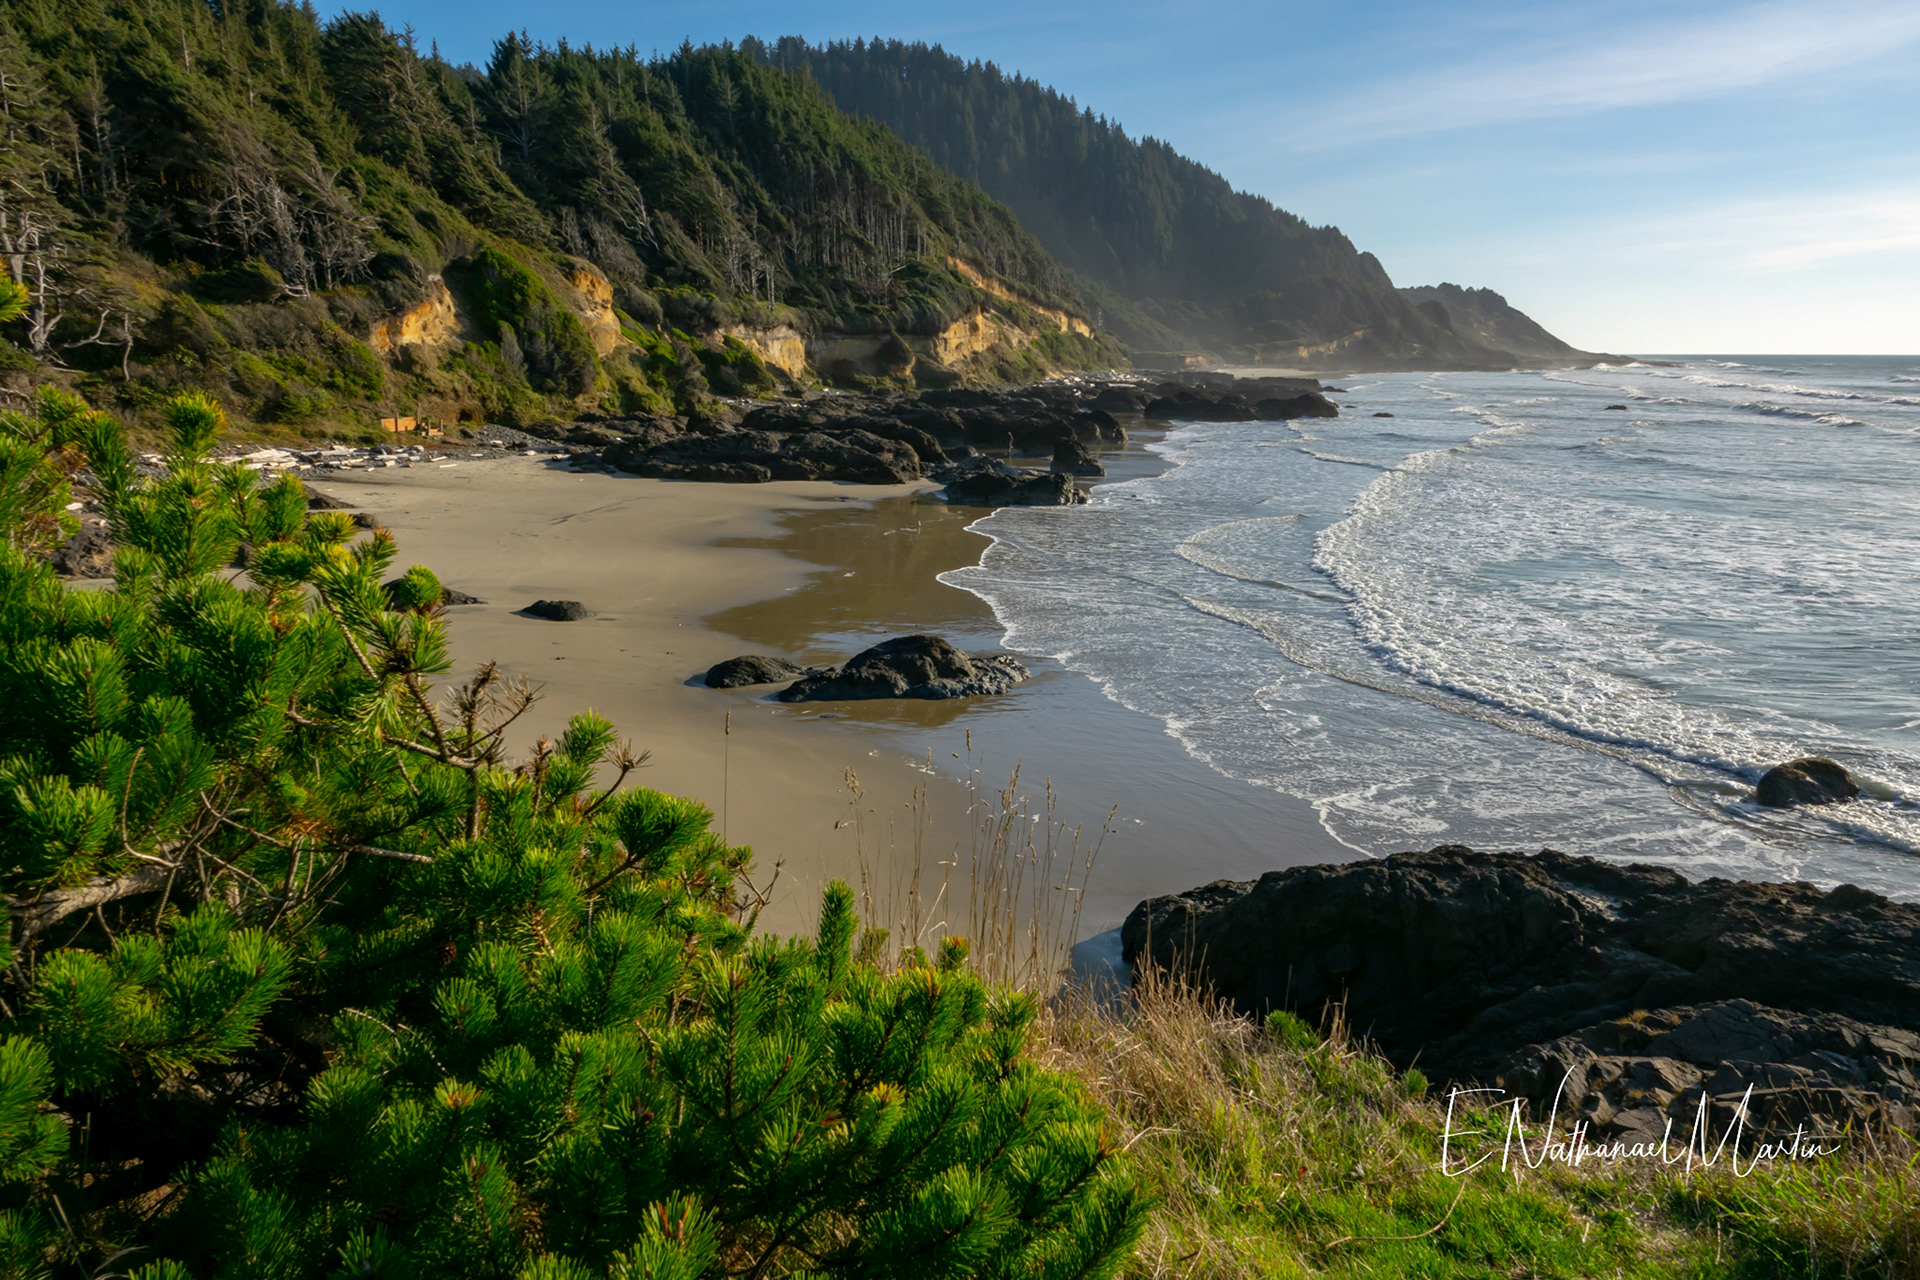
(947, 434)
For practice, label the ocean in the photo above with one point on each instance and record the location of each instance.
(1497, 610)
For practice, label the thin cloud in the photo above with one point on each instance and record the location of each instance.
(1801, 232)
(1646, 66)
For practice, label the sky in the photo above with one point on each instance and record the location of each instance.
(1639, 177)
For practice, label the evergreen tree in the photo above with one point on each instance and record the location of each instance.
(304, 978)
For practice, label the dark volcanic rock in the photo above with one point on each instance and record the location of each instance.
(1806, 781)
(557, 610)
(1460, 957)
(1627, 1078)
(1098, 424)
(1071, 458)
(750, 669)
(1310, 404)
(1120, 400)
(87, 554)
(1612, 408)
(1383, 415)
(998, 485)
(756, 456)
(909, 667)
(322, 502)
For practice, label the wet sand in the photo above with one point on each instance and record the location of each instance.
(682, 575)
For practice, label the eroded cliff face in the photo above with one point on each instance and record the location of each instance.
(987, 284)
(433, 323)
(781, 346)
(593, 303)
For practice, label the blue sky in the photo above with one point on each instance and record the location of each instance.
(1677, 177)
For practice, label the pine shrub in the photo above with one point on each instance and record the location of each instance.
(305, 978)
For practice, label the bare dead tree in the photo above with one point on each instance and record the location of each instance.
(32, 254)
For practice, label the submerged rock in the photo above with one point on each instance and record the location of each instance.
(909, 667)
(751, 669)
(557, 610)
(1810, 780)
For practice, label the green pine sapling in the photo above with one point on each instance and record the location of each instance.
(304, 978)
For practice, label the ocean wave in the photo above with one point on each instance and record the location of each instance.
(1827, 419)
(1793, 389)
(1351, 462)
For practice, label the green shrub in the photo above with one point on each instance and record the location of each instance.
(559, 354)
(307, 979)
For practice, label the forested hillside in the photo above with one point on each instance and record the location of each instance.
(1176, 257)
(320, 222)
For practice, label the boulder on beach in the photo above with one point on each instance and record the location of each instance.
(986, 483)
(1071, 458)
(751, 669)
(323, 502)
(87, 554)
(557, 610)
(454, 595)
(909, 667)
(1810, 780)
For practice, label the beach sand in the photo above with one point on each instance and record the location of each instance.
(682, 575)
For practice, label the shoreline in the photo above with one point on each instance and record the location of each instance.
(681, 575)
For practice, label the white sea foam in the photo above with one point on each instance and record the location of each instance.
(1519, 619)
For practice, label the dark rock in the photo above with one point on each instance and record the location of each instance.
(87, 554)
(750, 669)
(1806, 781)
(1098, 424)
(1310, 404)
(1120, 400)
(909, 667)
(1071, 458)
(365, 520)
(557, 610)
(1821, 1071)
(998, 485)
(1198, 408)
(1615, 408)
(323, 502)
(594, 435)
(1460, 957)
(755, 456)
(1383, 415)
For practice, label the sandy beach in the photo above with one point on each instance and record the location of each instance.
(681, 575)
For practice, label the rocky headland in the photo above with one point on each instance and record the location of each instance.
(1640, 990)
(960, 437)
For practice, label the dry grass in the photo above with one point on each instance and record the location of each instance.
(1280, 1151)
